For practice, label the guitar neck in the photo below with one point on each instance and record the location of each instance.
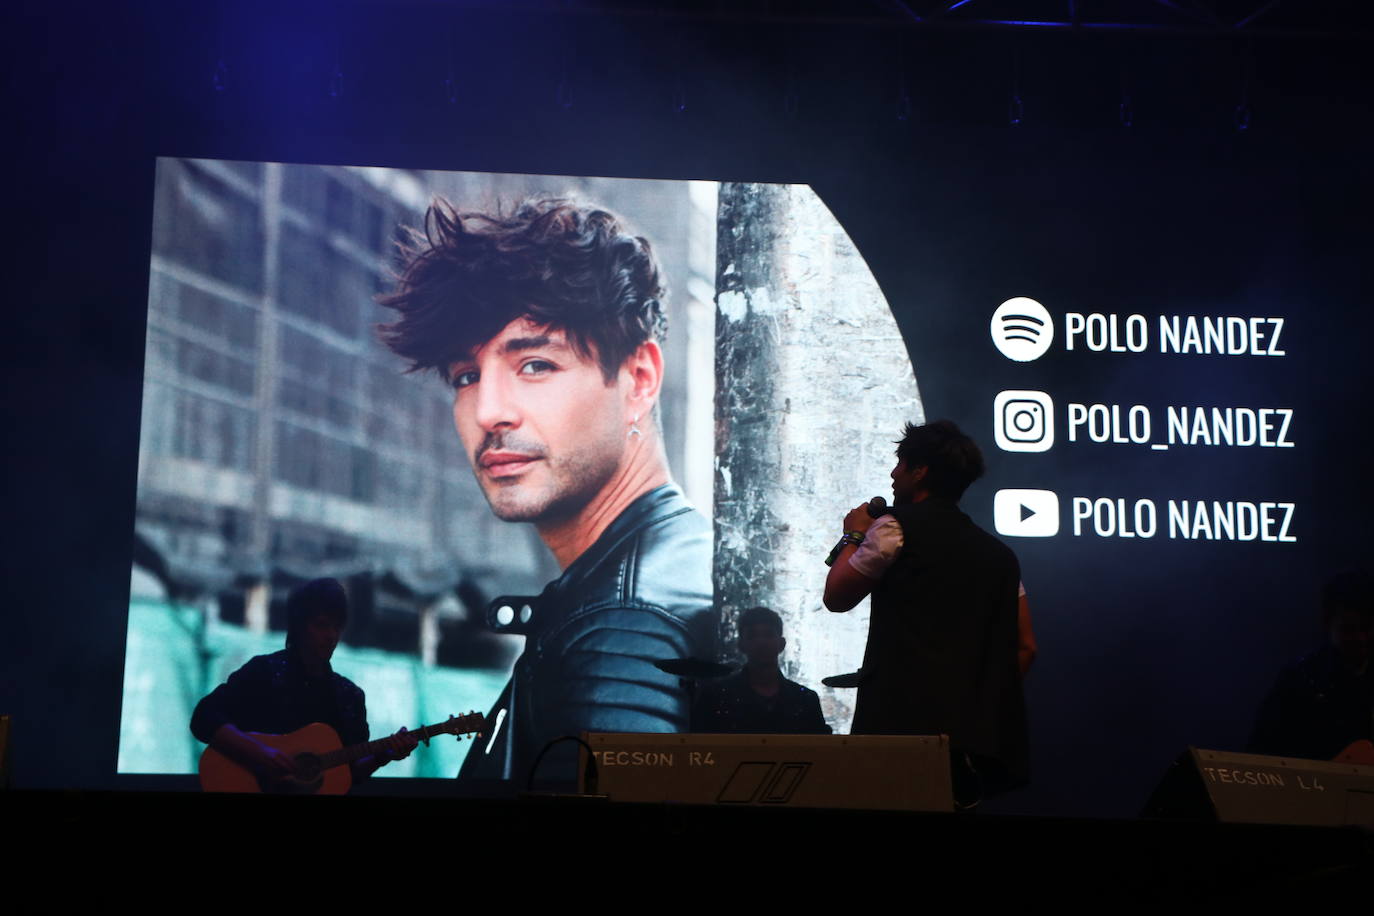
(358, 751)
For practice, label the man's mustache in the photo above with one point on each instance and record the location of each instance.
(509, 442)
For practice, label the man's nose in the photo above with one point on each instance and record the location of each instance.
(495, 403)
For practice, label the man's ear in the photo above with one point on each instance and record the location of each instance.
(645, 370)
(782, 644)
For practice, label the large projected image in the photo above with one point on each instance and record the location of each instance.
(544, 430)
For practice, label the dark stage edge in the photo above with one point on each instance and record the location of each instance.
(635, 846)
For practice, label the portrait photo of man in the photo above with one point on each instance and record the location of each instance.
(604, 451)
(547, 321)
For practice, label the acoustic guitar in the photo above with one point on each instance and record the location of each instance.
(1361, 752)
(320, 758)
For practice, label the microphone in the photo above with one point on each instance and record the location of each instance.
(877, 506)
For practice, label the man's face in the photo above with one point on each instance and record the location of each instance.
(906, 482)
(543, 430)
(320, 637)
(1352, 633)
(761, 643)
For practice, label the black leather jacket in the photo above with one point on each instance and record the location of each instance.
(642, 592)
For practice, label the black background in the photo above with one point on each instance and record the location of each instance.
(1146, 646)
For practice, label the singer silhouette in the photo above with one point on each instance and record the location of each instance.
(942, 639)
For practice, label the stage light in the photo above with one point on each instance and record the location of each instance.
(679, 96)
(1016, 107)
(220, 79)
(336, 80)
(1125, 109)
(1241, 116)
(451, 79)
(903, 101)
(563, 95)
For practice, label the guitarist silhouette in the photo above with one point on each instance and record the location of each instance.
(287, 690)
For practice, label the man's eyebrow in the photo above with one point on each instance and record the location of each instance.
(519, 344)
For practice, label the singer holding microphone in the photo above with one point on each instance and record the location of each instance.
(942, 638)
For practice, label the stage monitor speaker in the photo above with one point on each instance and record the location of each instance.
(1255, 789)
(904, 772)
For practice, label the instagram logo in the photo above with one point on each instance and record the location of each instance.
(1023, 421)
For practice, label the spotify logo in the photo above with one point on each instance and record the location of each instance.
(1022, 329)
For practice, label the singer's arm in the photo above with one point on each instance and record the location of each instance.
(845, 586)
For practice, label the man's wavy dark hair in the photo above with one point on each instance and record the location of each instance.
(315, 598)
(952, 460)
(569, 267)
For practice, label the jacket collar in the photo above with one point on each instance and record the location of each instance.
(658, 504)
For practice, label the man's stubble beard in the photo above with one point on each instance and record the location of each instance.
(573, 480)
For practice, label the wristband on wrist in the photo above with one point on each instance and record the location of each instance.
(853, 537)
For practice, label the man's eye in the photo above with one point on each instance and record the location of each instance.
(464, 379)
(537, 367)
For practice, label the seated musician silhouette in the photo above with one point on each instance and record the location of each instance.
(280, 693)
(757, 699)
(1323, 703)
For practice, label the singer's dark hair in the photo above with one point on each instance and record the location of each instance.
(952, 460)
(568, 267)
(760, 615)
(318, 597)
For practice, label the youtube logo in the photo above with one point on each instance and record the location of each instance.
(1026, 513)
